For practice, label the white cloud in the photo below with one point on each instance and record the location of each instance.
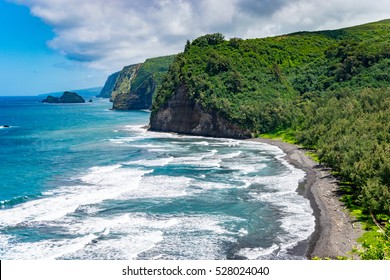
(330, 14)
(110, 34)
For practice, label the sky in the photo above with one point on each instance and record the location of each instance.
(57, 45)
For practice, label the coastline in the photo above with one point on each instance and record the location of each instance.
(336, 231)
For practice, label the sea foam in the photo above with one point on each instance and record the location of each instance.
(163, 196)
(101, 183)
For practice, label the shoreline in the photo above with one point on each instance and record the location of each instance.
(336, 231)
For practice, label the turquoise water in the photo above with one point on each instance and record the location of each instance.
(81, 181)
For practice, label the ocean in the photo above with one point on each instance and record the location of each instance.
(80, 181)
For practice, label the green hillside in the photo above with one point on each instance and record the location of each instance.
(123, 81)
(152, 67)
(249, 80)
(138, 89)
(327, 90)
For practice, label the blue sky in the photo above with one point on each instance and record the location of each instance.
(27, 65)
(57, 45)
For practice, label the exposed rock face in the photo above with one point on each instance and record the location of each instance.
(183, 115)
(109, 86)
(141, 98)
(67, 97)
(124, 79)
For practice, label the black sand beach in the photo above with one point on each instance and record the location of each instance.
(336, 230)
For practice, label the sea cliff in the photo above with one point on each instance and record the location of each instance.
(109, 85)
(123, 82)
(134, 87)
(181, 114)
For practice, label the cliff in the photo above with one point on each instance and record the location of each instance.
(140, 98)
(123, 82)
(109, 85)
(182, 114)
(67, 97)
(263, 85)
(136, 85)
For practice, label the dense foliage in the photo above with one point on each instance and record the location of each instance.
(351, 133)
(252, 82)
(329, 89)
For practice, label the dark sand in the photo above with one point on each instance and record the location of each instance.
(336, 231)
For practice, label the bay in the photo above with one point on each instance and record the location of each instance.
(80, 181)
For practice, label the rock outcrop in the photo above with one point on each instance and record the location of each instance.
(67, 97)
(51, 99)
(183, 115)
(109, 85)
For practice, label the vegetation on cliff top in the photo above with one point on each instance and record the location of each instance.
(252, 81)
(329, 89)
